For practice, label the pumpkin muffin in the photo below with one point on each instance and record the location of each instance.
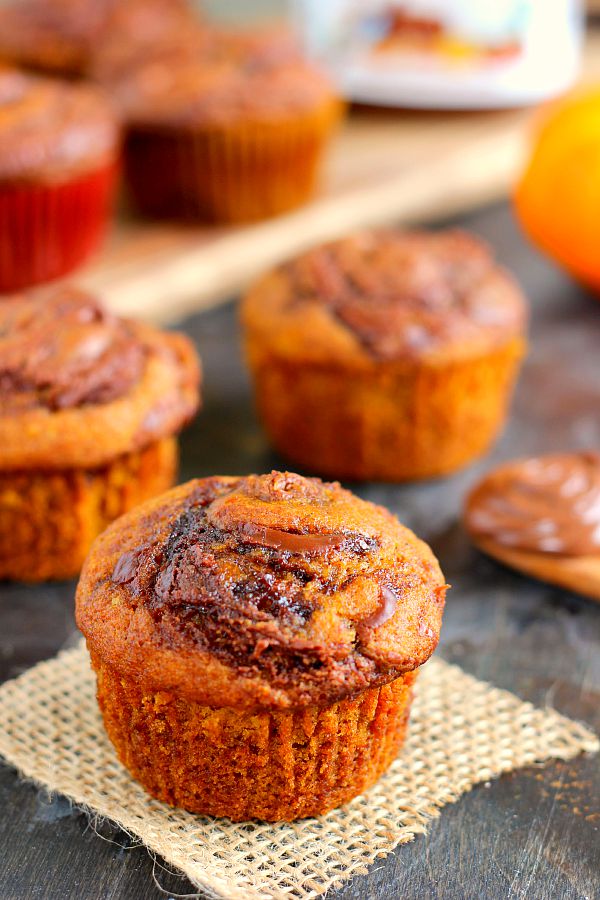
(90, 406)
(386, 355)
(222, 127)
(51, 36)
(256, 640)
(59, 147)
(61, 37)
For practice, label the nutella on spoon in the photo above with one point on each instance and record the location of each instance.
(542, 515)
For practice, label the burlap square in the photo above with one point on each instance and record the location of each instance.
(462, 732)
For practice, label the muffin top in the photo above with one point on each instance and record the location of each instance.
(79, 386)
(263, 591)
(387, 296)
(140, 31)
(49, 128)
(51, 35)
(545, 504)
(215, 77)
(63, 36)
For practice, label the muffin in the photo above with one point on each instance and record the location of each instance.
(541, 515)
(386, 355)
(59, 148)
(222, 127)
(140, 31)
(51, 36)
(61, 37)
(256, 640)
(90, 406)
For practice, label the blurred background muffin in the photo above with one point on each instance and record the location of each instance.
(387, 355)
(256, 640)
(221, 125)
(90, 406)
(59, 149)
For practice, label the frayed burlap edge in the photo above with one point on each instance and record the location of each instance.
(463, 731)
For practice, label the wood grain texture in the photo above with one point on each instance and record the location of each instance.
(385, 166)
(580, 574)
(532, 835)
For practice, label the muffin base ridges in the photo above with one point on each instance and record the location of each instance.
(48, 519)
(269, 765)
(47, 230)
(240, 172)
(417, 421)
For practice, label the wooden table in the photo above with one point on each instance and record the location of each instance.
(534, 834)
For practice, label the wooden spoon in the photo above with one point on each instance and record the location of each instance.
(580, 574)
(542, 516)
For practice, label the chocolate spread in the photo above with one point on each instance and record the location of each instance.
(62, 350)
(546, 504)
(403, 293)
(252, 570)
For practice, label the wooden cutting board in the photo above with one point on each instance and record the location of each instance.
(384, 166)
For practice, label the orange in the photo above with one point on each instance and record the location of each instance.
(558, 197)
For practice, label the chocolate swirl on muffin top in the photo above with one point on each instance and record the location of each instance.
(49, 129)
(547, 504)
(64, 350)
(283, 589)
(401, 293)
(387, 297)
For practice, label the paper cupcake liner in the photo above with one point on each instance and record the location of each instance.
(234, 173)
(390, 424)
(48, 519)
(244, 765)
(48, 230)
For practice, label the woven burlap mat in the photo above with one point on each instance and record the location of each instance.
(462, 732)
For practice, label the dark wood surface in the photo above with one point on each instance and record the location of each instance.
(533, 834)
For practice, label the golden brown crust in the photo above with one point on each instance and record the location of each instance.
(270, 591)
(386, 298)
(79, 387)
(50, 130)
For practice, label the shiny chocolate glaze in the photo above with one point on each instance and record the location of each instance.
(61, 349)
(546, 504)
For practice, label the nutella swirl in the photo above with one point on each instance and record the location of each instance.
(286, 581)
(547, 504)
(402, 294)
(62, 349)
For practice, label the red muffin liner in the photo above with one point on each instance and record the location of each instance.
(48, 230)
